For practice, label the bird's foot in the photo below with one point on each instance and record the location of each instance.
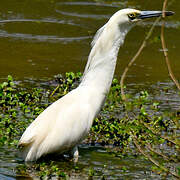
(75, 154)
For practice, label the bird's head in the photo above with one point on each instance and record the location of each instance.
(121, 22)
(131, 16)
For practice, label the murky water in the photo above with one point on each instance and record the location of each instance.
(93, 158)
(41, 38)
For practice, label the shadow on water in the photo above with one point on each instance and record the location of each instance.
(39, 39)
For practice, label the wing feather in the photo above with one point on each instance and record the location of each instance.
(62, 125)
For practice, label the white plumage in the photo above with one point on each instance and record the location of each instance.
(61, 126)
(67, 121)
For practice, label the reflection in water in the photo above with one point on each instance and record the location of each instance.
(86, 4)
(92, 16)
(41, 37)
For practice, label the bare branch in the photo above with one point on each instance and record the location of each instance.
(164, 48)
(142, 151)
(158, 152)
(135, 57)
(167, 138)
(54, 90)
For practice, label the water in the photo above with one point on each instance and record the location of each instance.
(104, 164)
(41, 38)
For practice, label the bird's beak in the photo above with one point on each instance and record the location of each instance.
(150, 14)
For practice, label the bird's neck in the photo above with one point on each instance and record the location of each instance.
(101, 63)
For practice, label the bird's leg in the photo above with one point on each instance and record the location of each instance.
(75, 153)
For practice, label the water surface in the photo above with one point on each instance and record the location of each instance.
(39, 39)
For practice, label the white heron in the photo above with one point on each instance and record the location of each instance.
(66, 122)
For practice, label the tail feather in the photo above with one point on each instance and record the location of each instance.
(26, 152)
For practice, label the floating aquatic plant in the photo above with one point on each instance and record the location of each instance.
(136, 124)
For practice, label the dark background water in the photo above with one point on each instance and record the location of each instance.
(41, 38)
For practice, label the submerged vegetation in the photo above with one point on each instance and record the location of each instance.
(136, 126)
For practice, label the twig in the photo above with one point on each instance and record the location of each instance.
(54, 90)
(135, 57)
(146, 154)
(177, 142)
(149, 146)
(164, 48)
(158, 134)
(152, 159)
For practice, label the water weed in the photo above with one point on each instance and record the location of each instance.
(136, 126)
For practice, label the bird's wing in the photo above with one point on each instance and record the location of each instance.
(62, 124)
(44, 121)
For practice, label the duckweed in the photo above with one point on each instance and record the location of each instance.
(138, 125)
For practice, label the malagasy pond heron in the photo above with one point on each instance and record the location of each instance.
(66, 122)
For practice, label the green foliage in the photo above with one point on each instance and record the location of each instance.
(67, 83)
(139, 121)
(18, 108)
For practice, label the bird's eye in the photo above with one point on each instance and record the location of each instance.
(132, 16)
